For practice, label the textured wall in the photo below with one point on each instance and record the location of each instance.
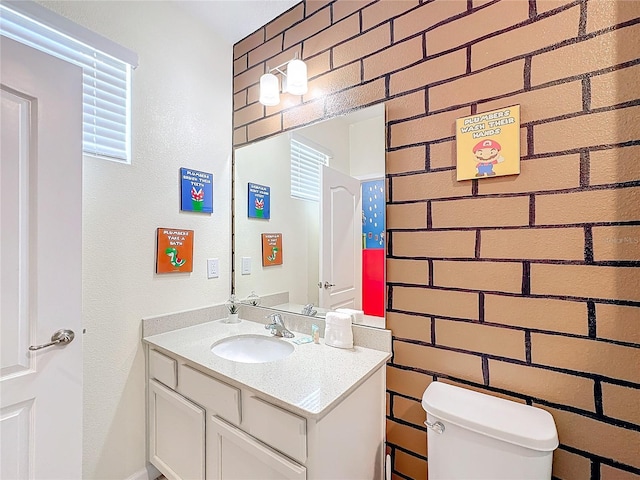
(180, 108)
(528, 286)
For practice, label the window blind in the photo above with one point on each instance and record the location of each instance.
(305, 170)
(106, 83)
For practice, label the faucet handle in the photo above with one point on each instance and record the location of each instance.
(277, 326)
(275, 319)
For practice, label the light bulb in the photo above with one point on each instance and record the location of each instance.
(269, 90)
(297, 77)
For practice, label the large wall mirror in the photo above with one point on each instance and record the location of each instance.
(310, 217)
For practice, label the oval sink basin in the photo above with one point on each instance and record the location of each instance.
(252, 348)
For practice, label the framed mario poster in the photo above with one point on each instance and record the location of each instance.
(488, 144)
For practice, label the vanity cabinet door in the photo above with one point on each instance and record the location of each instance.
(177, 434)
(282, 430)
(234, 455)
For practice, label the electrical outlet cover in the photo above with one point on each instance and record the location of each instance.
(246, 265)
(212, 268)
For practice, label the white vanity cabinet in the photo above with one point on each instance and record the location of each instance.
(201, 427)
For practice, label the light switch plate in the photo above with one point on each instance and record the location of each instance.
(212, 268)
(246, 265)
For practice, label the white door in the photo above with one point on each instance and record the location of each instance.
(40, 265)
(340, 241)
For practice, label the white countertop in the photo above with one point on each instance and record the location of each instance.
(310, 381)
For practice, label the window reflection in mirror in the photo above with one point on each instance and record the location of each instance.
(322, 188)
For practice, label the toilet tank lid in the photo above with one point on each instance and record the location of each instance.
(511, 422)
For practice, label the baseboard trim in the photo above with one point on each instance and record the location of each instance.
(148, 473)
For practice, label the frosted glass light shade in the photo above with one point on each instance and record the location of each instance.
(297, 77)
(269, 90)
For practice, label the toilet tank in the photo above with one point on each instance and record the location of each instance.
(476, 436)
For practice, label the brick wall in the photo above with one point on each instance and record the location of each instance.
(526, 287)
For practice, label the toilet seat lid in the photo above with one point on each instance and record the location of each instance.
(511, 422)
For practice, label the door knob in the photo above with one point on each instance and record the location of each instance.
(328, 285)
(59, 337)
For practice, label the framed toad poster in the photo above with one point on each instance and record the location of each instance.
(271, 249)
(174, 252)
(488, 144)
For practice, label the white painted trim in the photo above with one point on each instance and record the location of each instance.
(369, 177)
(150, 472)
(63, 25)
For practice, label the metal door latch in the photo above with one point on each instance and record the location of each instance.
(59, 337)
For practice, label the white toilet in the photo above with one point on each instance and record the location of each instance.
(475, 436)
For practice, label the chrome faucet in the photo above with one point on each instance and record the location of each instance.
(309, 310)
(277, 327)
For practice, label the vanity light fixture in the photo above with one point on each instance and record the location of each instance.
(294, 81)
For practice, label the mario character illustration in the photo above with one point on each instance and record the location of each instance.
(487, 153)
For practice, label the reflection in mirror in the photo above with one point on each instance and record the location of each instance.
(322, 188)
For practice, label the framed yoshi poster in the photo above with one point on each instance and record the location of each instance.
(488, 144)
(174, 250)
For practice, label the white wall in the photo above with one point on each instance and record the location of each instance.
(181, 109)
(366, 147)
(332, 135)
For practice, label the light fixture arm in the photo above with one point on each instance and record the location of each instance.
(279, 70)
(279, 67)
